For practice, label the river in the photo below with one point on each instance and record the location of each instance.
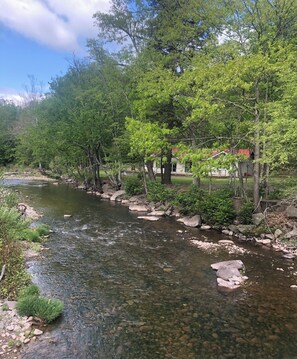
(139, 290)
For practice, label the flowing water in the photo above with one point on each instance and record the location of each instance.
(138, 290)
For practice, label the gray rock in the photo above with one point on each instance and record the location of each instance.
(269, 236)
(245, 228)
(277, 233)
(291, 234)
(157, 213)
(67, 215)
(291, 212)
(106, 195)
(233, 228)
(138, 208)
(149, 218)
(117, 195)
(107, 187)
(236, 263)
(205, 227)
(289, 256)
(227, 286)
(194, 221)
(227, 232)
(225, 241)
(258, 218)
(265, 242)
(228, 272)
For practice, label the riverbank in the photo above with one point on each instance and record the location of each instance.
(17, 331)
(275, 229)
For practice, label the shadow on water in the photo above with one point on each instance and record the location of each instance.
(142, 291)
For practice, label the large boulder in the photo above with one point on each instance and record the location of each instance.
(194, 221)
(291, 212)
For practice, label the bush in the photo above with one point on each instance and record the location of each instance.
(217, 208)
(43, 230)
(133, 185)
(31, 290)
(11, 224)
(30, 235)
(245, 213)
(189, 202)
(40, 307)
(157, 192)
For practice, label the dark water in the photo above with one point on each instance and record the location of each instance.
(108, 268)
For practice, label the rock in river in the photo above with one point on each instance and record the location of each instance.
(229, 276)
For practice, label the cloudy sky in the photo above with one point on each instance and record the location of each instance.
(39, 37)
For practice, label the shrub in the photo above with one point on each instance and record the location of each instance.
(157, 192)
(245, 213)
(133, 186)
(11, 224)
(31, 290)
(40, 307)
(43, 230)
(217, 208)
(30, 235)
(189, 202)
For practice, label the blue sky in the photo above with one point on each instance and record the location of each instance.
(39, 38)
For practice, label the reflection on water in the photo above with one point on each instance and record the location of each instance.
(108, 268)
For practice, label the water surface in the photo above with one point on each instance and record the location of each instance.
(138, 290)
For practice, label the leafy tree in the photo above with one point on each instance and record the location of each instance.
(8, 119)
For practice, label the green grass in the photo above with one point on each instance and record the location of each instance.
(41, 307)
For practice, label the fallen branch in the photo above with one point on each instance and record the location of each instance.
(2, 272)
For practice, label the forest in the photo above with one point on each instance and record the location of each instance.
(196, 76)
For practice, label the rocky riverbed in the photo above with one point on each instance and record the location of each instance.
(15, 331)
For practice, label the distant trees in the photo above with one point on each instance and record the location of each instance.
(8, 120)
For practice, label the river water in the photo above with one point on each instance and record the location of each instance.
(139, 290)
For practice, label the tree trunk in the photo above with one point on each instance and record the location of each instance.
(256, 173)
(144, 178)
(167, 168)
(196, 181)
(150, 170)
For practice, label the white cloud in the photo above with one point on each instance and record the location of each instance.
(55, 23)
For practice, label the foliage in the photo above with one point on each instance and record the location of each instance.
(189, 202)
(158, 192)
(40, 307)
(43, 230)
(31, 290)
(245, 213)
(16, 276)
(133, 185)
(30, 235)
(217, 208)
(11, 223)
